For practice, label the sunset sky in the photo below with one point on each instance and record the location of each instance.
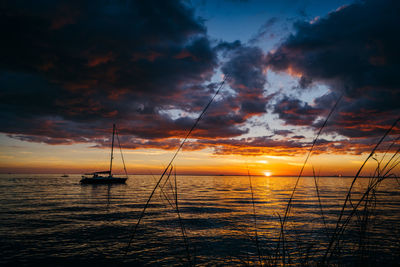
(70, 69)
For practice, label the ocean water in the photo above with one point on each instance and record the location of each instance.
(48, 220)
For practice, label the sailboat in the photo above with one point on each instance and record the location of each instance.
(106, 177)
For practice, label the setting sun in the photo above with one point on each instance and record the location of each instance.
(267, 174)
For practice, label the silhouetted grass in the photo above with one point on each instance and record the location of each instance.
(182, 226)
(360, 214)
(255, 220)
(319, 200)
(374, 182)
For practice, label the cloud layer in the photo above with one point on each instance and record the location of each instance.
(354, 51)
(69, 70)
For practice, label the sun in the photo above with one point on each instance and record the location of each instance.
(268, 174)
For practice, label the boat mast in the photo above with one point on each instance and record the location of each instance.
(112, 148)
(120, 150)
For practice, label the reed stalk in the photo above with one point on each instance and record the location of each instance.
(255, 220)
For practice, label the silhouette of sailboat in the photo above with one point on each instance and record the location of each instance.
(106, 177)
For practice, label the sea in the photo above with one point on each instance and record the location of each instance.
(50, 220)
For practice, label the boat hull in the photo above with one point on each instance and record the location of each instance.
(103, 180)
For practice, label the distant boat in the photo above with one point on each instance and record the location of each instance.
(65, 175)
(106, 177)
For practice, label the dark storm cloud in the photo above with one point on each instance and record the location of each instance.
(71, 69)
(353, 50)
(228, 46)
(283, 132)
(90, 63)
(245, 70)
(367, 116)
(295, 112)
(257, 146)
(304, 82)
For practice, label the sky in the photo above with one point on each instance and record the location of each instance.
(71, 69)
